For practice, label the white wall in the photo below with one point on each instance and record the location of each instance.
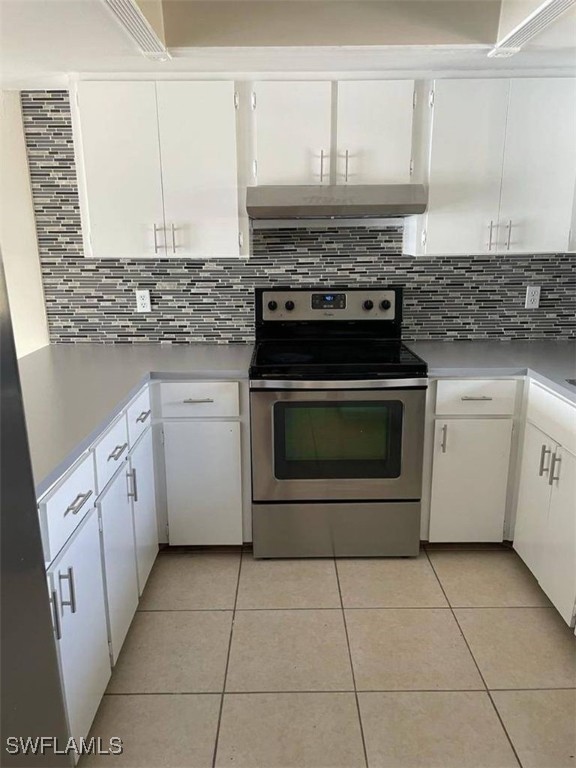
(18, 232)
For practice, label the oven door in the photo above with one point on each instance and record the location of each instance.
(337, 444)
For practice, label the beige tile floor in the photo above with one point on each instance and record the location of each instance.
(452, 660)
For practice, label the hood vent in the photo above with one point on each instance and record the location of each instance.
(356, 201)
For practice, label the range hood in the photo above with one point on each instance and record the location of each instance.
(344, 201)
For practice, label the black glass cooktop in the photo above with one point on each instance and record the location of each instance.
(334, 359)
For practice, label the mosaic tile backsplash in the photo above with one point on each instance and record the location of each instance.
(463, 297)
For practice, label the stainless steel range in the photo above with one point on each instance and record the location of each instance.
(337, 423)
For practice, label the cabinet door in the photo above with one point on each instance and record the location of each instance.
(293, 123)
(144, 506)
(76, 579)
(197, 123)
(119, 559)
(539, 166)
(374, 131)
(203, 482)
(468, 129)
(121, 169)
(469, 479)
(558, 567)
(533, 498)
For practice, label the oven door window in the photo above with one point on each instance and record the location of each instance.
(359, 439)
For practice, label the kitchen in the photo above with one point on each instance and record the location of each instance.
(294, 313)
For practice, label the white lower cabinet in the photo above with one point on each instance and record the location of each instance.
(119, 557)
(143, 494)
(77, 594)
(533, 498)
(203, 482)
(469, 479)
(545, 531)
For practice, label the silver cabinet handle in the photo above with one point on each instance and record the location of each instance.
(156, 246)
(78, 503)
(553, 461)
(543, 453)
(134, 493)
(173, 230)
(69, 577)
(444, 438)
(509, 235)
(346, 162)
(143, 416)
(321, 165)
(490, 237)
(117, 452)
(202, 400)
(481, 398)
(55, 615)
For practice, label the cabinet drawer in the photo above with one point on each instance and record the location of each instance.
(552, 415)
(65, 506)
(139, 414)
(476, 397)
(110, 451)
(200, 399)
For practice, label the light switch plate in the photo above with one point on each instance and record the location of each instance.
(143, 301)
(532, 297)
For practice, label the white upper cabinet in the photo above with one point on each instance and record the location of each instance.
(158, 162)
(539, 166)
(197, 124)
(293, 127)
(502, 167)
(468, 130)
(374, 124)
(123, 213)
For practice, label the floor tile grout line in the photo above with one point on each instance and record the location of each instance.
(339, 690)
(494, 707)
(227, 663)
(351, 666)
(353, 608)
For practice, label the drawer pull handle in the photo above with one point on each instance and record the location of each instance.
(543, 453)
(191, 400)
(55, 616)
(483, 398)
(69, 577)
(78, 503)
(117, 452)
(143, 416)
(444, 438)
(134, 492)
(553, 461)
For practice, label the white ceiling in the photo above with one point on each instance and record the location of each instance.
(42, 41)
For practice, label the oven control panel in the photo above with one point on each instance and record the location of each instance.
(354, 304)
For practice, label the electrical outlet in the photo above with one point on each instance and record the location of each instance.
(143, 301)
(532, 297)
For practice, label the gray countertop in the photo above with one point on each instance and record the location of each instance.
(72, 391)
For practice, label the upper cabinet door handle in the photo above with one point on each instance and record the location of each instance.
(321, 166)
(346, 164)
(509, 235)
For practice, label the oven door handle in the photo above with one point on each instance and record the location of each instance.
(341, 384)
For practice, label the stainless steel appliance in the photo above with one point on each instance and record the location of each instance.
(337, 422)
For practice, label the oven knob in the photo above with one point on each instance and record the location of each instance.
(368, 305)
(289, 306)
(272, 306)
(385, 304)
